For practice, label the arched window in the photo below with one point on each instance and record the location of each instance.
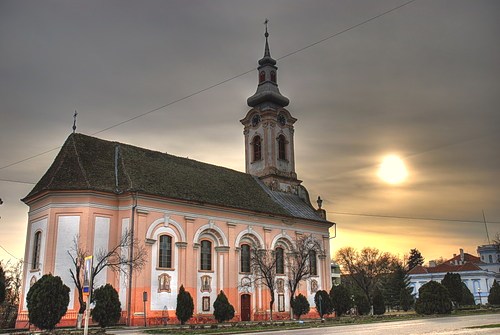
(257, 148)
(165, 252)
(313, 268)
(35, 259)
(245, 258)
(273, 76)
(206, 255)
(280, 261)
(262, 76)
(281, 147)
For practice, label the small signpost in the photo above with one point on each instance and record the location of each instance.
(144, 299)
(87, 289)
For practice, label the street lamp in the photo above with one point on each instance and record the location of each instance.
(480, 299)
(320, 310)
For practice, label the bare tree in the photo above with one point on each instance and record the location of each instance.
(299, 262)
(263, 268)
(366, 267)
(13, 281)
(115, 259)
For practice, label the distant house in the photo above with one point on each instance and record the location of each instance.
(335, 270)
(477, 274)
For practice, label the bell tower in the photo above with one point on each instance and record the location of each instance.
(268, 130)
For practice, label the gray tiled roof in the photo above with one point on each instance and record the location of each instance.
(89, 163)
(292, 203)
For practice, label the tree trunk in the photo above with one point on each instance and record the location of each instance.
(79, 318)
(271, 303)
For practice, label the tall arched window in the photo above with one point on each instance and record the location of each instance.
(280, 261)
(206, 255)
(257, 148)
(35, 259)
(273, 76)
(165, 252)
(262, 76)
(282, 147)
(313, 268)
(245, 258)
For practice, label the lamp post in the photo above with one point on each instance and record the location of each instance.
(320, 310)
(144, 299)
(480, 299)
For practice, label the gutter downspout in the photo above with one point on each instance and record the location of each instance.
(131, 254)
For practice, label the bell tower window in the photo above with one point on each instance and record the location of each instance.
(262, 76)
(257, 148)
(281, 147)
(273, 76)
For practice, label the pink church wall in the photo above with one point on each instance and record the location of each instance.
(188, 218)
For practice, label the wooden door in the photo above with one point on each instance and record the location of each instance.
(245, 307)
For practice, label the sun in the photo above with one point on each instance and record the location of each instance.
(392, 170)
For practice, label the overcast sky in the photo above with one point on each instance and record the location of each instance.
(422, 81)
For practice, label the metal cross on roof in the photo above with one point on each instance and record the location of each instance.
(74, 121)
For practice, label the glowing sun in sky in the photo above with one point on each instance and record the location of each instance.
(392, 170)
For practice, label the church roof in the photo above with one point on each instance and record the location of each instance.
(89, 163)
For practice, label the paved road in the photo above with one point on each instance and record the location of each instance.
(437, 326)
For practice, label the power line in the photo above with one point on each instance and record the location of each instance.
(17, 181)
(346, 30)
(411, 217)
(225, 80)
(7, 251)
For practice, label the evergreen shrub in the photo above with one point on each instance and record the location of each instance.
(47, 301)
(107, 310)
(494, 297)
(300, 306)
(223, 310)
(341, 299)
(433, 299)
(185, 305)
(326, 303)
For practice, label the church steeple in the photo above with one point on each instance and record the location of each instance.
(267, 53)
(267, 93)
(269, 147)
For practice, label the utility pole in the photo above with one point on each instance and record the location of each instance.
(486, 227)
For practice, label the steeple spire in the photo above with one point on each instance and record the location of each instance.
(267, 93)
(267, 53)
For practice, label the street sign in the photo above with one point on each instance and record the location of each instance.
(87, 274)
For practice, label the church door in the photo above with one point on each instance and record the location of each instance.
(245, 307)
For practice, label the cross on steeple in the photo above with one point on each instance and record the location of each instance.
(74, 121)
(266, 48)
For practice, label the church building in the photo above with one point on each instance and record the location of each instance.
(196, 222)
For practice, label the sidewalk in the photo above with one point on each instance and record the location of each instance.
(126, 331)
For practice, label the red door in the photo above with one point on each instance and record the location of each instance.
(245, 307)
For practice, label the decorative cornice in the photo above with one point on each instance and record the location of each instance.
(150, 241)
(222, 249)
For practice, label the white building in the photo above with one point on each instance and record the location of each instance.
(478, 273)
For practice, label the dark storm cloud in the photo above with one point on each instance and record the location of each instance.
(421, 81)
